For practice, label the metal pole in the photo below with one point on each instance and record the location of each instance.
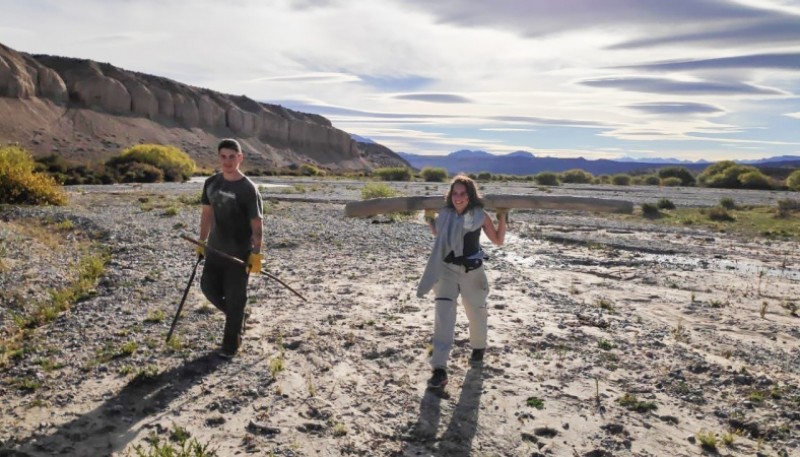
(183, 299)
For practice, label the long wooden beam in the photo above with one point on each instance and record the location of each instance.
(490, 201)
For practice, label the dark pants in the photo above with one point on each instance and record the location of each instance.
(225, 286)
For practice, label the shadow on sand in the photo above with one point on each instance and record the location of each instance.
(457, 439)
(108, 427)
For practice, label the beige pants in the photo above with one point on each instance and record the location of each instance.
(473, 288)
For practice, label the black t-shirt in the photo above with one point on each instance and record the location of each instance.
(235, 204)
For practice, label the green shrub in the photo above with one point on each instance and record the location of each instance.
(602, 179)
(665, 203)
(546, 178)
(139, 172)
(727, 203)
(621, 180)
(576, 176)
(648, 180)
(310, 170)
(755, 180)
(19, 184)
(393, 174)
(671, 182)
(175, 164)
(377, 190)
(718, 213)
(486, 176)
(430, 174)
(650, 210)
(786, 206)
(686, 176)
(793, 181)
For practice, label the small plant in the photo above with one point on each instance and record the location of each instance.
(535, 402)
(339, 429)
(720, 214)
(756, 396)
(665, 203)
(763, 311)
(377, 190)
(170, 211)
(175, 344)
(604, 303)
(790, 306)
(650, 210)
(431, 174)
(546, 178)
(605, 344)
(393, 174)
(155, 316)
(312, 391)
(708, 440)
(630, 402)
(727, 203)
(728, 438)
(128, 349)
(188, 448)
(276, 365)
(621, 180)
(310, 170)
(679, 332)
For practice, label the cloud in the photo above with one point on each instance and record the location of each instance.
(507, 130)
(785, 61)
(674, 86)
(795, 115)
(311, 78)
(663, 108)
(310, 107)
(433, 98)
(548, 121)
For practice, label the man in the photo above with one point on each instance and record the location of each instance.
(231, 222)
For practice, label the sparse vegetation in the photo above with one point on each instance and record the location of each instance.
(604, 303)
(629, 401)
(727, 203)
(665, 203)
(681, 173)
(720, 214)
(707, 440)
(141, 161)
(535, 402)
(307, 169)
(605, 344)
(793, 180)
(546, 178)
(576, 176)
(621, 180)
(650, 210)
(186, 448)
(671, 182)
(276, 365)
(377, 190)
(393, 174)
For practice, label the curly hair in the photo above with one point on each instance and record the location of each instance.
(472, 192)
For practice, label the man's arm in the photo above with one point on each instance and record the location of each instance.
(255, 226)
(206, 220)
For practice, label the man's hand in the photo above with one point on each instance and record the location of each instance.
(430, 216)
(502, 214)
(201, 252)
(254, 263)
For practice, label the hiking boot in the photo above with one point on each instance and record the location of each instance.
(439, 379)
(476, 359)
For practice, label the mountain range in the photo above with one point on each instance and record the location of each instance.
(525, 163)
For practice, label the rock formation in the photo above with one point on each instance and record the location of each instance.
(95, 109)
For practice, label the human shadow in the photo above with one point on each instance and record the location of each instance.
(109, 427)
(457, 439)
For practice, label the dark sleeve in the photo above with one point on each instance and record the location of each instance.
(204, 198)
(253, 204)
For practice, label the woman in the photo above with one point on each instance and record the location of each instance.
(456, 267)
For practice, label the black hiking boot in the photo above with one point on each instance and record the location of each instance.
(439, 379)
(476, 360)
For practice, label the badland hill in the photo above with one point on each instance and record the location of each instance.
(87, 111)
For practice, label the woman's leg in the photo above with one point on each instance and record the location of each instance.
(444, 324)
(474, 290)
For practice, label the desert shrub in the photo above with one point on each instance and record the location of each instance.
(650, 210)
(175, 164)
(431, 174)
(786, 206)
(621, 180)
(602, 179)
(486, 176)
(647, 180)
(576, 176)
(546, 178)
(793, 180)
(20, 184)
(686, 176)
(377, 190)
(665, 203)
(718, 213)
(310, 170)
(671, 182)
(727, 174)
(755, 180)
(139, 172)
(727, 203)
(393, 174)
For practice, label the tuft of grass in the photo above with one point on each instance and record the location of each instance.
(629, 401)
(377, 190)
(707, 440)
(155, 316)
(170, 211)
(727, 203)
(756, 396)
(276, 365)
(535, 402)
(604, 303)
(665, 203)
(720, 214)
(339, 429)
(605, 344)
(185, 448)
(650, 211)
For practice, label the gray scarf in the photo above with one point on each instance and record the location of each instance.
(450, 230)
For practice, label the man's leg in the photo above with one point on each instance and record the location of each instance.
(235, 286)
(212, 284)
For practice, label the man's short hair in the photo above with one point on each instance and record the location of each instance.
(229, 143)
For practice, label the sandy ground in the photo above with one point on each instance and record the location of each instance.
(583, 310)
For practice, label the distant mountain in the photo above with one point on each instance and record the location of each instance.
(669, 160)
(361, 139)
(525, 163)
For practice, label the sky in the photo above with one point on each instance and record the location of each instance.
(684, 79)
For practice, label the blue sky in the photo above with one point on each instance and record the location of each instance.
(688, 79)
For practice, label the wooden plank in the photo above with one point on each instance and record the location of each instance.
(490, 201)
